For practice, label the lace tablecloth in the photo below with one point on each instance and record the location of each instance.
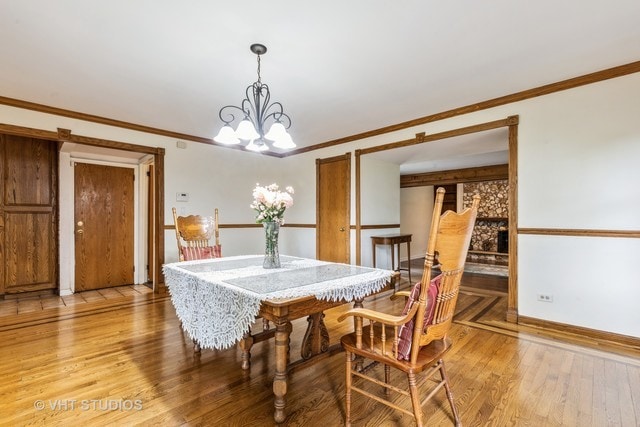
(217, 300)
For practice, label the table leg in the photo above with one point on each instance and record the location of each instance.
(245, 345)
(393, 261)
(316, 338)
(283, 332)
(373, 244)
(409, 260)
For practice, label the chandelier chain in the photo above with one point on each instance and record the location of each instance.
(259, 81)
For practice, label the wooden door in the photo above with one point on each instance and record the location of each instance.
(104, 226)
(28, 214)
(333, 208)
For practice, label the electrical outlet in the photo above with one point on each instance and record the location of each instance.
(545, 297)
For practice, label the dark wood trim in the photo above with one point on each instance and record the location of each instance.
(158, 159)
(99, 119)
(28, 132)
(497, 254)
(117, 123)
(358, 211)
(250, 225)
(512, 292)
(29, 209)
(455, 176)
(609, 73)
(580, 232)
(239, 225)
(535, 231)
(379, 226)
(600, 336)
(571, 83)
(106, 143)
(421, 137)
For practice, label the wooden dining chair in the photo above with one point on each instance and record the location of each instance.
(194, 234)
(415, 341)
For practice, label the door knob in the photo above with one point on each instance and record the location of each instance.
(341, 228)
(80, 231)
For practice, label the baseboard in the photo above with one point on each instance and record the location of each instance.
(594, 334)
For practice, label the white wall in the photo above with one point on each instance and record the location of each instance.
(416, 205)
(577, 163)
(380, 204)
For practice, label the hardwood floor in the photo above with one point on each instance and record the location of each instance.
(17, 304)
(125, 361)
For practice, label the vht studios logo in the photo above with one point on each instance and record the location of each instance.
(88, 405)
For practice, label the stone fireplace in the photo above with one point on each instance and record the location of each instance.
(489, 241)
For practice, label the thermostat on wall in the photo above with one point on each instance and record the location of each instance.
(182, 197)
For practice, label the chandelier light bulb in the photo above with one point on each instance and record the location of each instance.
(285, 142)
(226, 136)
(257, 146)
(276, 132)
(246, 130)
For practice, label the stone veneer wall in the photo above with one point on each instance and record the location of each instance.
(494, 204)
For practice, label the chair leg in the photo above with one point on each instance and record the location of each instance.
(387, 378)
(445, 379)
(347, 420)
(415, 398)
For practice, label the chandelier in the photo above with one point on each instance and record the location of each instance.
(256, 111)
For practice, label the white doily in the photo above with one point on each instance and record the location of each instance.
(217, 300)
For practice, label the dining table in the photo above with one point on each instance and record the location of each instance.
(218, 300)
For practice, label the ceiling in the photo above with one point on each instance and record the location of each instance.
(338, 67)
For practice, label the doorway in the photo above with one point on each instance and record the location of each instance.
(141, 249)
(394, 150)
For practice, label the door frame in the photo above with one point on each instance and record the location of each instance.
(511, 123)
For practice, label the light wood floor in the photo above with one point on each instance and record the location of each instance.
(16, 304)
(125, 361)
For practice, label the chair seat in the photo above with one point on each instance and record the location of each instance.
(427, 356)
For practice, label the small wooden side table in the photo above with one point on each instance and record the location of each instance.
(393, 240)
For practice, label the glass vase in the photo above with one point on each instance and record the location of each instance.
(271, 254)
